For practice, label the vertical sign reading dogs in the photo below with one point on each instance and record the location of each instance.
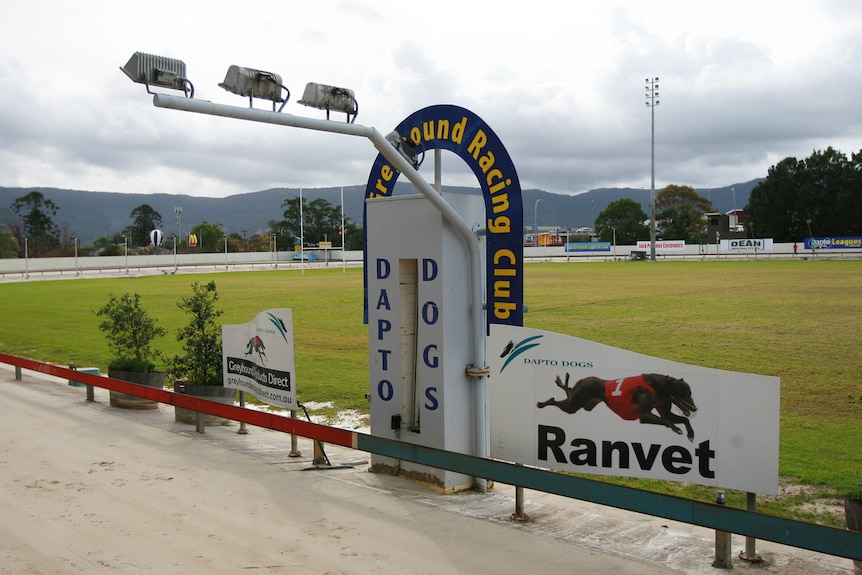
(258, 357)
(565, 403)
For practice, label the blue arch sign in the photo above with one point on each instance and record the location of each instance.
(462, 132)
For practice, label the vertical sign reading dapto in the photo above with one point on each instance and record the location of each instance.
(258, 357)
(566, 403)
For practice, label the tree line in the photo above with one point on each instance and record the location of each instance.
(815, 197)
(29, 227)
(819, 196)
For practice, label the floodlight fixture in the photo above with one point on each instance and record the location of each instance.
(329, 98)
(407, 148)
(160, 71)
(255, 84)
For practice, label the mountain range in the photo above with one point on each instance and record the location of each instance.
(90, 215)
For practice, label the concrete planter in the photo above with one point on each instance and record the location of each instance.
(217, 393)
(154, 379)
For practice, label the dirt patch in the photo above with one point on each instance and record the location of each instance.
(812, 504)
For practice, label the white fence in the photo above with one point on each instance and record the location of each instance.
(167, 263)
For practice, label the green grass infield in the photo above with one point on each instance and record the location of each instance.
(800, 320)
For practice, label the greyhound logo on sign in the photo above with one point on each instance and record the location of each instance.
(246, 365)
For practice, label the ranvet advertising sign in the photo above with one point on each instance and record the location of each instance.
(565, 403)
(258, 357)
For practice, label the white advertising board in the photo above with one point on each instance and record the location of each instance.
(258, 357)
(565, 403)
(663, 245)
(747, 245)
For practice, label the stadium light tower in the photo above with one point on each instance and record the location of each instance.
(651, 102)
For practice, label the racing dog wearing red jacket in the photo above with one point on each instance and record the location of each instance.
(621, 396)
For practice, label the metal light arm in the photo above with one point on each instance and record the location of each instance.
(479, 367)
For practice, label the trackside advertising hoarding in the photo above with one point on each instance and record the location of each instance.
(663, 245)
(561, 402)
(830, 243)
(258, 357)
(586, 247)
(747, 245)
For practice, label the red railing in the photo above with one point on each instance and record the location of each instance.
(254, 417)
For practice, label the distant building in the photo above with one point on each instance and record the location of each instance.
(736, 220)
(553, 236)
(725, 226)
(550, 239)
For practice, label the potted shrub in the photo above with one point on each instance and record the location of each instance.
(130, 332)
(198, 370)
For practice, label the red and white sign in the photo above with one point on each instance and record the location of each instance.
(257, 357)
(565, 403)
(663, 245)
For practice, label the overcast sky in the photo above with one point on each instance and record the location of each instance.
(742, 85)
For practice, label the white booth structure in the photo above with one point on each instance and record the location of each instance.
(439, 270)
(419, 331)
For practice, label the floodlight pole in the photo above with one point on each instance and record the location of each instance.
(479, 369)
(810, 235)
(343, 249)
(77, 272)
(536, 219)
(652, 102)
(301, 237)
(179, 212)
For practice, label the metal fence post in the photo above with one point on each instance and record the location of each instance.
(294, 451)
(242, 428)
(519, 514)
(750, 553)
